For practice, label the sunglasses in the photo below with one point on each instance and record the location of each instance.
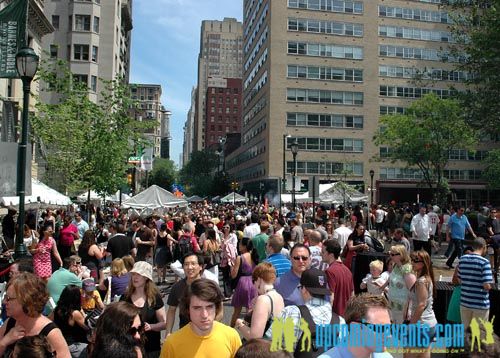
(393, 254)
(134, 330)
(416, 261)
(301, 258)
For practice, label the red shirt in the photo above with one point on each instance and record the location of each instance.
(341, 284)
(66, 236)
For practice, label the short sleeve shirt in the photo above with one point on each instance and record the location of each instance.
(174, 299)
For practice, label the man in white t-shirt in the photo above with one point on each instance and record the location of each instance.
(341, 234)
(435, 229)
(379, 219)
(421, 228)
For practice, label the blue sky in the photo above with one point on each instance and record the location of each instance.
(165, 46)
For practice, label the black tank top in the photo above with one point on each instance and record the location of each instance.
(11, 323)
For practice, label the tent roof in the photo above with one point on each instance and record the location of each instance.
(194, 199)
(237, 198)
(47, 195)
(154, 197)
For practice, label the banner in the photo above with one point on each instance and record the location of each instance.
(9, 122)
(147, 159)
(12, 36)
(8, 169)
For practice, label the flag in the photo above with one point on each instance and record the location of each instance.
(13, 20)
(147, 159)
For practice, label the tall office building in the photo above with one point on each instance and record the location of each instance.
(220, 57)
(94, 37)
(322, 72)
(187, 145)
(150, 110)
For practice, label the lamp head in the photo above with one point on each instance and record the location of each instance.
(294, 147)
(27, 62)
(372, 173)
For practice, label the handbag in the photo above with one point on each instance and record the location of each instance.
(214, 257)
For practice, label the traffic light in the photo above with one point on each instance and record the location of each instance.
(129, 178)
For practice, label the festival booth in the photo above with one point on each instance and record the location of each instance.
(154, 198)
(41, 196)
(233, 198)
(340, 192)
(195, 199)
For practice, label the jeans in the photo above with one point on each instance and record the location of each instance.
(457, 252)
(449, 250)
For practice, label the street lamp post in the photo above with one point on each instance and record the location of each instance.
(295, 149)
(27, 65)
(283, 180)
(372, 173)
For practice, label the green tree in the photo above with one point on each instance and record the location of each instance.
(476, 30)
(164, 173)
(199, 176)
(86, 144)
(424, 136)
(491, 172)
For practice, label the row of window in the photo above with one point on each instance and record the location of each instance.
(324, 50)
(328, 144)
(224, 90)
(324, 96)
(254, 131)
(220, 110)
(413, 92)
(454, 154)
(346, 6)
(418, 53)
(415, 33)
(255, 69)
(325, 168)
(257, 171)
(220, 119)
(324, 120)
(256, 49)
(81, 53)
(85, 80)
(325, 73)
(220, 100)
(412, 72)
(325, 27)
(258, 86)
(249, 23)
(383, 110)
(261, 103)
(250, 153)
(416, 174)
(415, 14)
(248, 45)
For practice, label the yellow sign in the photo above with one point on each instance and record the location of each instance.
(283, 330)
(476, 333)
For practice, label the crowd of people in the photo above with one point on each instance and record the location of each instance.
(95, 285)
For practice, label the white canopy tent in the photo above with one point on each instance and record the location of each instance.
(332, 193)
(154, 197)
(233, 198)
(41, 194)
(94, 196)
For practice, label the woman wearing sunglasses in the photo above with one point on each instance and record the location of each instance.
(119, 327)
(421, 298)
(401, 279)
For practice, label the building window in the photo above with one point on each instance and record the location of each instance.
(55, 21)
(93, 83)
(325, 73)
(95, 51)
(324, 96)
(53, 51)
(324, 120)
(81, 79)
(96, 24)
(81, 52)
(82, 22)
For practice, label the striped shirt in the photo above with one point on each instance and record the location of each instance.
(474, 271)
(280, 262)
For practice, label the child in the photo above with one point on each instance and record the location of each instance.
(375, 279)
(90, 296)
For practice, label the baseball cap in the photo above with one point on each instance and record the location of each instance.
(315, 282)
(88, 284)
(144, 269)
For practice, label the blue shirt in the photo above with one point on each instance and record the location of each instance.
(474, 271)
(457, 226)
(287, 287)
(280, 262)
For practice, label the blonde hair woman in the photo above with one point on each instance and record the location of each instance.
(120, 279)
(401, 280)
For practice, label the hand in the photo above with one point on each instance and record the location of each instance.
(239, 323)
(14, 335)
(147, 327)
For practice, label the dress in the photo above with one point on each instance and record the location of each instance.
(163, 255)
(245, 291)
(41, 259)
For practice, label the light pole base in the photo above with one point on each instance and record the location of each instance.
(20, 251)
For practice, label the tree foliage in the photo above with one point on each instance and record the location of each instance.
(199, 176)
(86, 143)
(476, 31)
(491, 172)
(164, 173)
(424, 136)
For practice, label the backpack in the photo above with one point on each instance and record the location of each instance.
(213, 257)
(376, 244)
(184, 246)
(314, 351)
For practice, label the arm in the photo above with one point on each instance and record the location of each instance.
(259, 318)
(58, 343)
(14, 334)
(170, 319)
(161, 325)
(236, 267)
(455, 279)
(96, 251)
(422, 295)
(471, 231)
(80, 319)
(410, 280)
